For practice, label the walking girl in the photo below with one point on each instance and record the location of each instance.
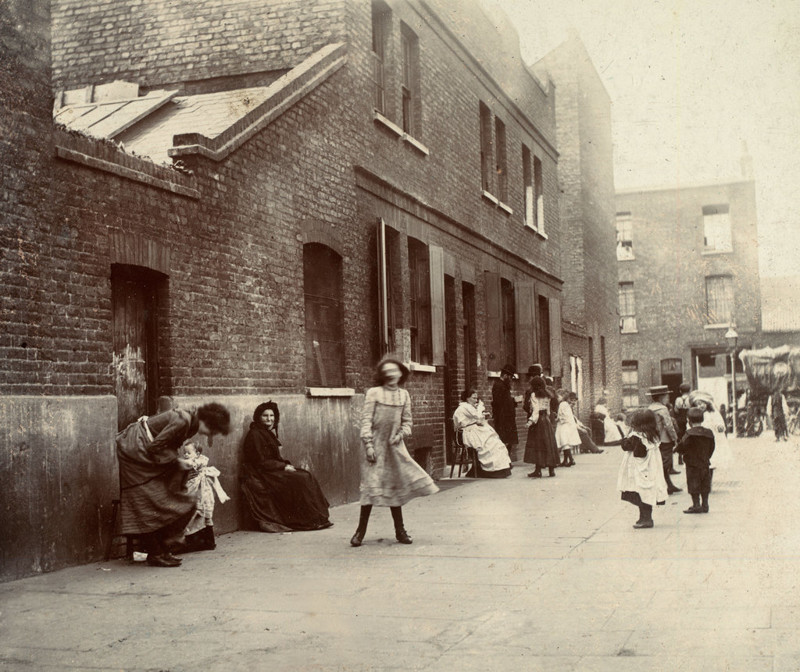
(540, 447)
(389, 475)
(567, 437)
(641, 474)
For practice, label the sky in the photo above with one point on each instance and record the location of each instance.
(690, 81)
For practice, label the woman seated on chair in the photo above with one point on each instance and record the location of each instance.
(476, 433)
(281, 497)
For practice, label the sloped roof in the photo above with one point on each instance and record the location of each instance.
(780, 304)
(218, 122)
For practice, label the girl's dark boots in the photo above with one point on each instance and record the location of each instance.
(363, 520)
(552, 471)
(645, 517)
(568, 457)
(399, 531)
(704, 505)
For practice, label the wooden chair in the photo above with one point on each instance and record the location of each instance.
(461, 453)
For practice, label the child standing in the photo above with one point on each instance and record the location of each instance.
(567, 437)
(696, 447)
(641, 475)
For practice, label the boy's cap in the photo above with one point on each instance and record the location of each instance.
(657, 391)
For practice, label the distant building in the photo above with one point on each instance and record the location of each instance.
(588, 258)
(780, 311)
(688, 271)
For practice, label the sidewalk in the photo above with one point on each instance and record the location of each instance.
(518, 574)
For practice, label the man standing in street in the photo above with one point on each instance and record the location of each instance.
(666, 431)
(504, 410)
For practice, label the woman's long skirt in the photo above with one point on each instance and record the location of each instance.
(541, 448)
(281, 501)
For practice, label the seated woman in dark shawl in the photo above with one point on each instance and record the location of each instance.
(281, 497)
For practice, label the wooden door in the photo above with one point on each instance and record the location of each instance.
(135, 360)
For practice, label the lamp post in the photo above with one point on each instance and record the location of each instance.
(732, 337)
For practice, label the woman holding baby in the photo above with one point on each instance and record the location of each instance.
(153, 500)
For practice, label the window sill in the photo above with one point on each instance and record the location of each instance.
(400, 133)
(422, 368)
(626, 258)
(330, 392)
(717, 325)
(504, 207)
(492, 199)
(416, 144)
(535, 230)
(712, 253)
(387, 123)
(630, 331)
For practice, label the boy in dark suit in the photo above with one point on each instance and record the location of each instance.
(697, 446)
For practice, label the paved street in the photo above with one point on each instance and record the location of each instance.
(510, 575)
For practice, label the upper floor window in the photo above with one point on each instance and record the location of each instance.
(538, 194)
(420, 295)
(630, 384)
(719, 299)
(501, 160)
(527, 183)
(486, 147)
(627, 308)
(322, 287)
(717, 228)
(410, 82)
(381, 25)
(624, 236)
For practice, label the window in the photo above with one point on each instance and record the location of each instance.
(527, 182)
(486, 147)
(410, 85)
(501, 167)
(630, 384)
(538, 194)
(322, 286)
(544, 332)
(509, 323)
(381, 25)
(627, 308)
(717, 228)
(719, 299)
(420, 294)
(624, 237)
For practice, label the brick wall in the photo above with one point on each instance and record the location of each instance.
(156, 43)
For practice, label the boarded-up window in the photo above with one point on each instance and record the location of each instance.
(494, 321)
(322, 286)
(526, 322)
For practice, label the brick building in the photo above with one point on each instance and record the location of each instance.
(591, 338)
(255, 200)
(688, 270)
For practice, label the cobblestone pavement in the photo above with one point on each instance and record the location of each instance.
(518, 574)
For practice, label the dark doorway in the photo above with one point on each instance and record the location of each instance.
(469, 334)
(134, 309)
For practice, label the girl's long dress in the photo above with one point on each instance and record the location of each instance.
(540, 447)
(394, 478)
(279, 500)
(723, 455)
(566, 427)
(492, 452)
(641, 479)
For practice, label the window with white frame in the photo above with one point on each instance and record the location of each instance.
(624, 236)
(486, 147)
(719, 299)
(630, 384)
(501, 161)
(410, 83)
(717, 228)
(527, 182)
(627, 308)
(538, 194)
(381, 25)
